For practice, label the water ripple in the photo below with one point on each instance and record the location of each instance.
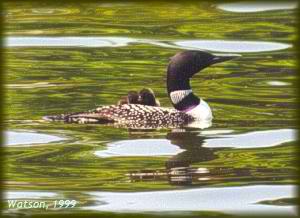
(232, 46)
(257, 6)
(13, 138)
(210, 45)
(28, 194)
(67, 41)
(238, 200)
(212, 139)
(259, 139)
(139, 147)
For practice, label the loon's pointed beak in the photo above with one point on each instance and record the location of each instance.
(224, 57)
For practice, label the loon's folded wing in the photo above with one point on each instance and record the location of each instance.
(92, 116)
(126, 113)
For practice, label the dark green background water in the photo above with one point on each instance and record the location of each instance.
(44, 80)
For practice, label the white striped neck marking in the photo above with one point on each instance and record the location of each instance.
(179, 95)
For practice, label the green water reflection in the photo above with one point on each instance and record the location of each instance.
(52, 80)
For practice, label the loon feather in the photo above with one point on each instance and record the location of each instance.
(126, 113)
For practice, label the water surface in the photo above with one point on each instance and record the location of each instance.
(71, 57)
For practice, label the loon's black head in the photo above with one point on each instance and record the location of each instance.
(187, 63)
(182, 67)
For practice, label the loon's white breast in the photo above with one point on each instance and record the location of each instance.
(201, 112)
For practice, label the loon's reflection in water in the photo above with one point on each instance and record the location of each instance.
(179, 169)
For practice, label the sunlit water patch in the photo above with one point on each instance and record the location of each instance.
(67, 41)
(216, 132)
(231, 46)
(140, 147)
(50, 11)
(28, 194)
(257, 6)
(216, 138)
(210, 45)
(13, 138)
(257, 139)
(31, 85)
(278, 83)
(238, 200)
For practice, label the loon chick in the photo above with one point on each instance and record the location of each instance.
(188, 107)
(131, 98)
(145, 97)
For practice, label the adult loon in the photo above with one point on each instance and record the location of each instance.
(188, 107)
